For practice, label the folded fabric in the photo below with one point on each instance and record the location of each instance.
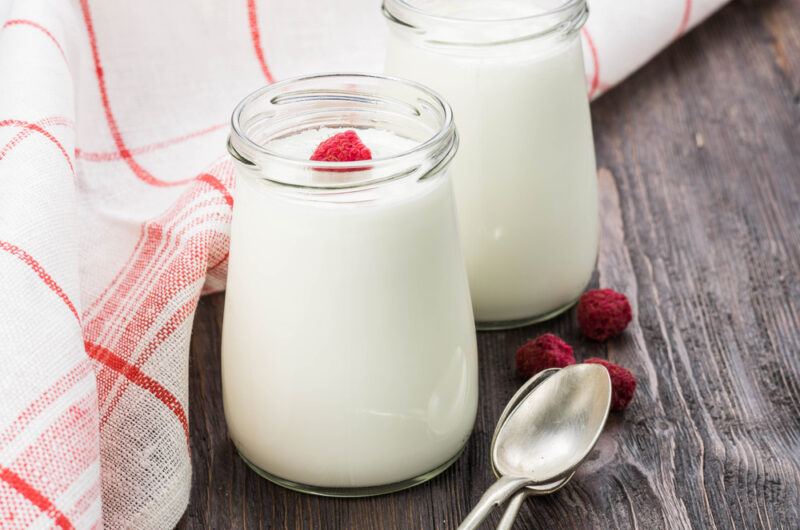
(115, 200)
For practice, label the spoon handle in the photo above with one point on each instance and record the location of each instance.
(510, 515)
(494, 496)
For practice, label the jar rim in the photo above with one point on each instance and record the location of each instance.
(239, 139)
(565, 6)
(479, 33)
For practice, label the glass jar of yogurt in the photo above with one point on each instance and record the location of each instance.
(349, 359)
(525, 176)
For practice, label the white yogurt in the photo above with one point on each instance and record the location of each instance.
(348, 348)
(524, 175)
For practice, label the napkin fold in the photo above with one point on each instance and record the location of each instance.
(115, 202)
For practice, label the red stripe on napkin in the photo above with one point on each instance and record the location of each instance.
(39, 270)
(35, 497)
(111, 156)
(140, 379)
(31, 23)
(255, 34)
(687, 13)
(37, 128)
(139, 171)
(595, 83)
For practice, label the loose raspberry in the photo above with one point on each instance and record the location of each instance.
(603, 313)
(342, 147)
(546, 351)
(623, 383)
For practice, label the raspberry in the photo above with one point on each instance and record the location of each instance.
(342, 147)
(546, 351)
(623, 383)
(603, 313)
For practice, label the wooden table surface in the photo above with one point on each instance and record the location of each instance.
(699, 157)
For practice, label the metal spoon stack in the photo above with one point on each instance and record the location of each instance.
(545, 432)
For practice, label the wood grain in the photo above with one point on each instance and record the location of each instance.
(700, 192)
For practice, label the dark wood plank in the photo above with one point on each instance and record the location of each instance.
(700, 191)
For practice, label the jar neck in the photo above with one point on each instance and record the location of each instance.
(342, 101)
(476, 25)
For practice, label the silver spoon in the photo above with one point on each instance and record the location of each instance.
(547, 435)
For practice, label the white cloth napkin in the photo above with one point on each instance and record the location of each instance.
(115, 199)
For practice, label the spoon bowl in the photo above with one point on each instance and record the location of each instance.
(545, 438)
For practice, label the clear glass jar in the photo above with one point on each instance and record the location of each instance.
(525, 175)
(349, 359)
